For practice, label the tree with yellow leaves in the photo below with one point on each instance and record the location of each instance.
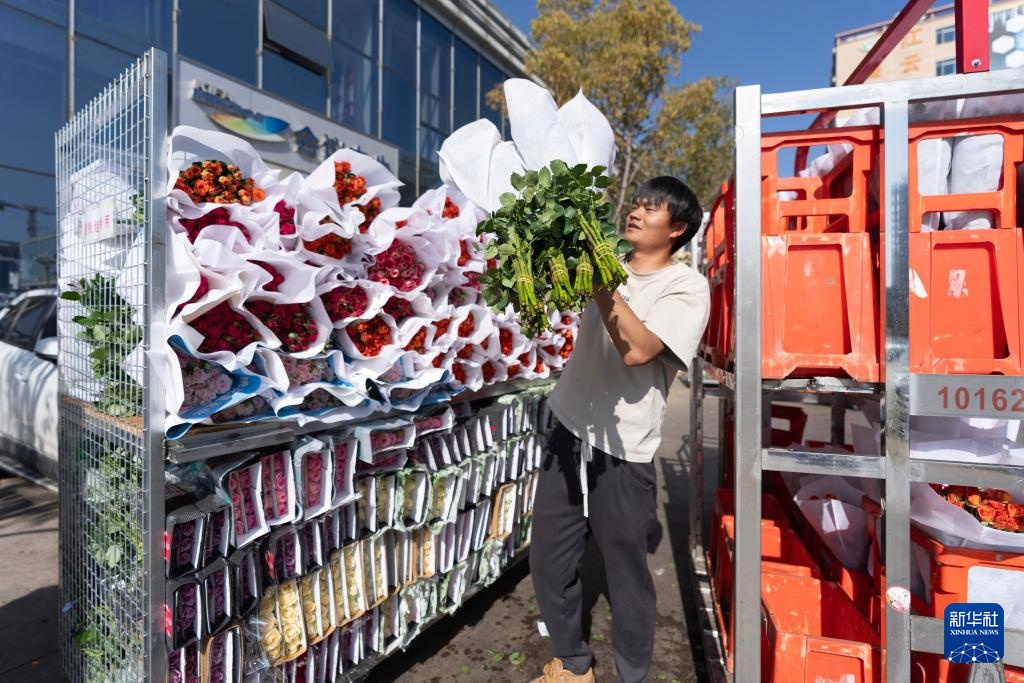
(622, 54)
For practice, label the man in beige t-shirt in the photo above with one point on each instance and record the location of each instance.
(598, 475)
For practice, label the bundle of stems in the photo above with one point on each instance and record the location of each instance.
(551, 243)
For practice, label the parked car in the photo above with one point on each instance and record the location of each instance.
(28, 383)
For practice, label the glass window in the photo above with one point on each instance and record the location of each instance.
(399, 112)
(400, 37)
(8, 319)
(25, 190)
(201, 35)
(430, 143)
(96, 65)
(130, 25)
(287, 33)
(26, 325)
(465, 99)
(946, 34)
(294, 82)
(355, 24)
(313, 11)
(54, 10)
(490, 76)
(49, 325)
(430, 177)
(354, 89)
(33, 80)
(945, 67)
(407, 174)
(435, 73)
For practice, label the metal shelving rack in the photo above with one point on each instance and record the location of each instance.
(903, 393)
(112, 516)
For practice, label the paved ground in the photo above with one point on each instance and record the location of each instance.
(29, 651)
(493, 639)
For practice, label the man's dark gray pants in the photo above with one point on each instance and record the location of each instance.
(621, 503)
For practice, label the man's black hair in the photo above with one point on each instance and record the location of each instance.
(683, 206)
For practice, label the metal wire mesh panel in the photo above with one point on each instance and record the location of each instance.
(111, 476)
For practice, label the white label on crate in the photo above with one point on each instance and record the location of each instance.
(1002, 586)
(98, 221)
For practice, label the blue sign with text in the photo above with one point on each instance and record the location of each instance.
(974, 632)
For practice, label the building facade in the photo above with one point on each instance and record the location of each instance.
(298, 78)
(929, 49)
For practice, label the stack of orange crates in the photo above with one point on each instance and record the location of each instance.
(822, 263)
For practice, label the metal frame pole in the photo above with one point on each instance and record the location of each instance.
(746, 606)
(972, 46)
(896, 407)
(155, 184)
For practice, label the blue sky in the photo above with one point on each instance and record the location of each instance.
(781, 44)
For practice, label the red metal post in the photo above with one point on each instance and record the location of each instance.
(972, 42)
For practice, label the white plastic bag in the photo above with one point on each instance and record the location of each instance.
(832, 506)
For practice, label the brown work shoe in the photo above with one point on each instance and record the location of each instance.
(554, 672)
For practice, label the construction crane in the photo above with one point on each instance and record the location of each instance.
(32, 229)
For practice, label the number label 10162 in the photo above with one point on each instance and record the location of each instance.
(982, 399)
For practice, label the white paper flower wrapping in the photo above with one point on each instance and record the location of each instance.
(188, 144)
(318, 199)
(232, 360)
(480, 165)
(376, 296)
(240, 228)
(282, 201)
(295, 282)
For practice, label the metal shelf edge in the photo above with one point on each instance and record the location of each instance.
(811, 462)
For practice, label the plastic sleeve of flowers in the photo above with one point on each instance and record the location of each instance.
(466, 162)
(384, 435)
(310, 505)
(187, 144)
(192, 286)
(344, 450)
(196, 388)
(192, 338)
(294, 283)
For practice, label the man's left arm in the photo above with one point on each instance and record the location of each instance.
(634, 341)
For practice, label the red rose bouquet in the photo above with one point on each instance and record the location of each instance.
(293, 324)
(992, 507)
(224, 329)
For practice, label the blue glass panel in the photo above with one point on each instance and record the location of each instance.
(399, 111)
(355, 24)
(400, 37)
(201, 35)
(33, 60)
(130, 25)
(294, 82)
(354, 89)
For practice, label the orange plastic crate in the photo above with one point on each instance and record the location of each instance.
(781, 553)
(812, 633)
(838, 201)
(819, 306)
(724, 513)
(966, 313)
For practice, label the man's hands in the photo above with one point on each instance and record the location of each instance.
(635, 343)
